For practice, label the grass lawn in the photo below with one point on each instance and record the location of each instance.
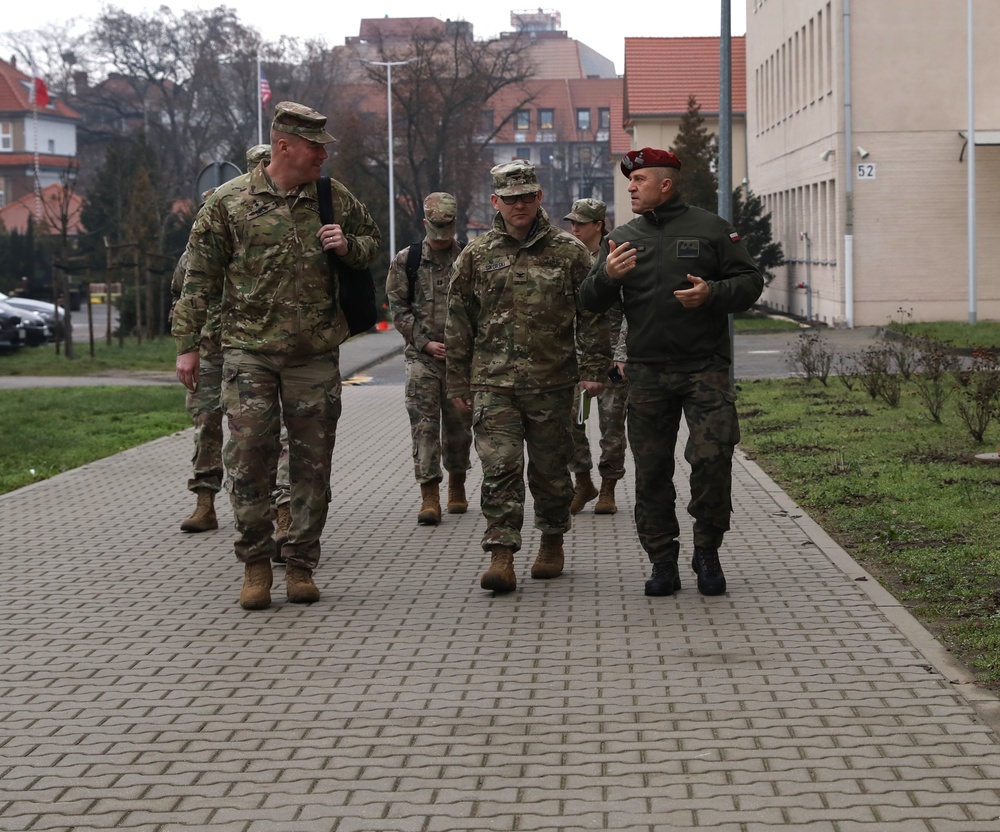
(132, 356)
(48, 431)
(901, 493)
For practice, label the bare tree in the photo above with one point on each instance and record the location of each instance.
(440, 100)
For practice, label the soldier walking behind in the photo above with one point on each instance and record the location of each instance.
(517, 346)
(417, 291)
(587, 224)
(259, 243)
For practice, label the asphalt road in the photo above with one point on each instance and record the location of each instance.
(757, 354)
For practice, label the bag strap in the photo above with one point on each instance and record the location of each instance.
(412, 265)
(324, 193)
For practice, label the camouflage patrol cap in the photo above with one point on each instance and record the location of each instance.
(440, 210)
(257, 154)
(300, 120)
(515, 177)
(587, 210)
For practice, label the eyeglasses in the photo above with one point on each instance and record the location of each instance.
(527, 199)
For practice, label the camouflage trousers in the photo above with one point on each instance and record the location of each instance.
(656, 402)
(611, 405)
(258, 393)
(504, 426)
(441, 432)
(205, 406)
(281, 493)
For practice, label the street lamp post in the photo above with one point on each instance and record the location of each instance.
(392, 181)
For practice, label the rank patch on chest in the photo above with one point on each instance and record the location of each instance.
(259, 208)
(687, 248)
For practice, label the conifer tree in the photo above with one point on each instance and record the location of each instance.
(755, 229)
(699, 155)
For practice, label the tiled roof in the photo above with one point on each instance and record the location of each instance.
(372, 28)
(661, 73)
(621, 142)
(16, 215)
(14, 95)
(45, 160)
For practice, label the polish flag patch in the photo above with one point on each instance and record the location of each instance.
(734, 236)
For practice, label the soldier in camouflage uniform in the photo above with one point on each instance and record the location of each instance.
(517, 345)
(586, 221)
(442, 432)
(258, 246)
(680, 271)
(205, 406)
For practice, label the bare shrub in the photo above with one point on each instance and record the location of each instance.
(979, 398)
(811, 357)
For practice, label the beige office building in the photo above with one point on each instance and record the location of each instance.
(857, 126)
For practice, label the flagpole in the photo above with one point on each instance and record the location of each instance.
(260, 106)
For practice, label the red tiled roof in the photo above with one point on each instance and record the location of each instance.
(14, 95)
(621, 142)
(661, 73)
(372, 28)
(16, 215)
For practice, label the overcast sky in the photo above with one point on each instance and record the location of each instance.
(604, 29)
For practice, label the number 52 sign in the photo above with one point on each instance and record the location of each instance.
(866, 170)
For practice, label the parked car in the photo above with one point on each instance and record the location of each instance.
(13, 335)
(44, 308)
(36, 331)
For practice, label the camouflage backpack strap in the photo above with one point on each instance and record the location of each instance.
(412, 265)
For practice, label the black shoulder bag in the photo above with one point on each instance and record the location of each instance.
(357, 286)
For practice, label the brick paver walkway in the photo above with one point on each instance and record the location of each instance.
(136, 694)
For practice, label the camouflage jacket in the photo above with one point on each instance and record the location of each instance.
(513, 318)
(421, 319)
(254, 248)
(209, 344)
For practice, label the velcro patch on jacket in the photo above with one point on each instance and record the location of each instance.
(260, 208)
(496, 265)
(687, 248)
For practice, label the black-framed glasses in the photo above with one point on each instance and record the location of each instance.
(527, 199)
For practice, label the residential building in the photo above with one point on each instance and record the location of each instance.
(36, 142)
(661, 74)
(858, 126)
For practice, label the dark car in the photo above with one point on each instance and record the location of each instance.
(52, 315)
(12, 333)
(36, 331)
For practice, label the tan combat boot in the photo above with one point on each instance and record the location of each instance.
(584, 493)
(500, 576)
(430, 509)
(606, 499)
(299, 585)
(281, 532)
(549, 562)
(457, 503)
(203, 518)
(256, 593)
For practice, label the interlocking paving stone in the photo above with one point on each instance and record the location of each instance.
(136, 694)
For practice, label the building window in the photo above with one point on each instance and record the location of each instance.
(6, 137)
(546, 157)
(52, 145)
(485, 121)
(546, 119)
(603, 118)
(524, 153)
(523, 119)
(583, 119)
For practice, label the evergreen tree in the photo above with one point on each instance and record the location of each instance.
(755, 229)
(699, 155)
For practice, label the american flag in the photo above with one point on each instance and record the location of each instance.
(265, 89)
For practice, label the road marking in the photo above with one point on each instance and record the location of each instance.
(763, 352)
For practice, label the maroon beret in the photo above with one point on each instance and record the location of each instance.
(649, 157)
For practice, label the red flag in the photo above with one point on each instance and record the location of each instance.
(39, 93)
(265, 89)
